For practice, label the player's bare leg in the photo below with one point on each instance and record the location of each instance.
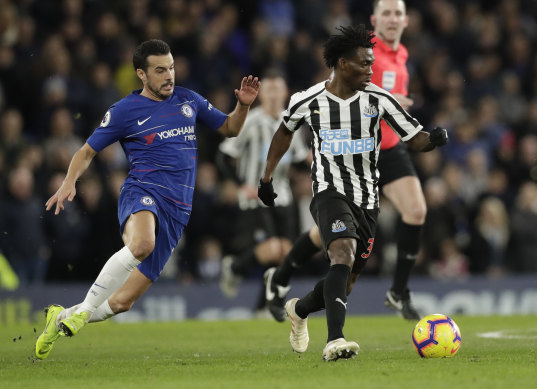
(135, 286)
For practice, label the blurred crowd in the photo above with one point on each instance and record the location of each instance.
(473, 70)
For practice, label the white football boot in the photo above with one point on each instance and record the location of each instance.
(340, 348)
(299, 337)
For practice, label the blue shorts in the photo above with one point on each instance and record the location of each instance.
(135, 199)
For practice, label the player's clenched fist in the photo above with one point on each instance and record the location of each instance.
(266, 193)
(438, 136)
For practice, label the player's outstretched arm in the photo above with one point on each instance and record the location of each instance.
(424, 141)
(245, 97)
(67, 190)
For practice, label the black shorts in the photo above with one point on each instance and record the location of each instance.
(338, 217)
(395, 163)
(258, 224)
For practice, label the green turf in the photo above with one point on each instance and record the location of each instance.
(256, 354)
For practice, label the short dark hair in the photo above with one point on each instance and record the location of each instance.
(147, 48)
(344, 45)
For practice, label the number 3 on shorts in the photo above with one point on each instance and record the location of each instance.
(369, 248)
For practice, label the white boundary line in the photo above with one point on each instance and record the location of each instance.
(507, 334)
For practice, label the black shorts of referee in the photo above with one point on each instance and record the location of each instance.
(395, 163)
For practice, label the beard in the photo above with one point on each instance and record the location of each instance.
(158, 93)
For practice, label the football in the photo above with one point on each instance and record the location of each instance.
(436, 336)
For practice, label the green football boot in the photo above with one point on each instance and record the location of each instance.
(73, 324)
(50, 333)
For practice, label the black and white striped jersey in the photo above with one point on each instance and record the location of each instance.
(250, 149)
(346, 137)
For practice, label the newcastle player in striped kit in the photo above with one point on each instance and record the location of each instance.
(265, 233)
(344, 115)
(398, 178)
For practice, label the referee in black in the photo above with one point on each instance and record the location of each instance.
(344, 116)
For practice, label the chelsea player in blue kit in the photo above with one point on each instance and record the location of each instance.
(156, 126)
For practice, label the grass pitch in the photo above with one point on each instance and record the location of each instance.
(257, 354)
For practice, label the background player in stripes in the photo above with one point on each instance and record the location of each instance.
(344, 116)
(156, 127)
(398, 179)
(264, 235)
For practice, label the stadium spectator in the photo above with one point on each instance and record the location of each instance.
(103, 92)
(67, 234)
(210, 257)
(212, 65)
(204, 225)
(345, 187)
(279, 15)
(12, 137)
(63, 142)
(151, 220)
(523, 244)
(23, 236)
(526, 163)
(97, 205)
(488, 238)
(440, 223)
(108, 38)
(452, 264)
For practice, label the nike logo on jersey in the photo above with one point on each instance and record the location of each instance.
(143, 121)
(338, 300)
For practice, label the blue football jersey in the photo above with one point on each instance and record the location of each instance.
(159, 140)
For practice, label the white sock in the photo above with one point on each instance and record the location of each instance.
(113, 274)
(102, 313)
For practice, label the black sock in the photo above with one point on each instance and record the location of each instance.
(408, 245)
(302, 251)
(312, 302)
(243, 263)
(335, 299)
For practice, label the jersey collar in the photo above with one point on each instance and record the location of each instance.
(381, 45)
